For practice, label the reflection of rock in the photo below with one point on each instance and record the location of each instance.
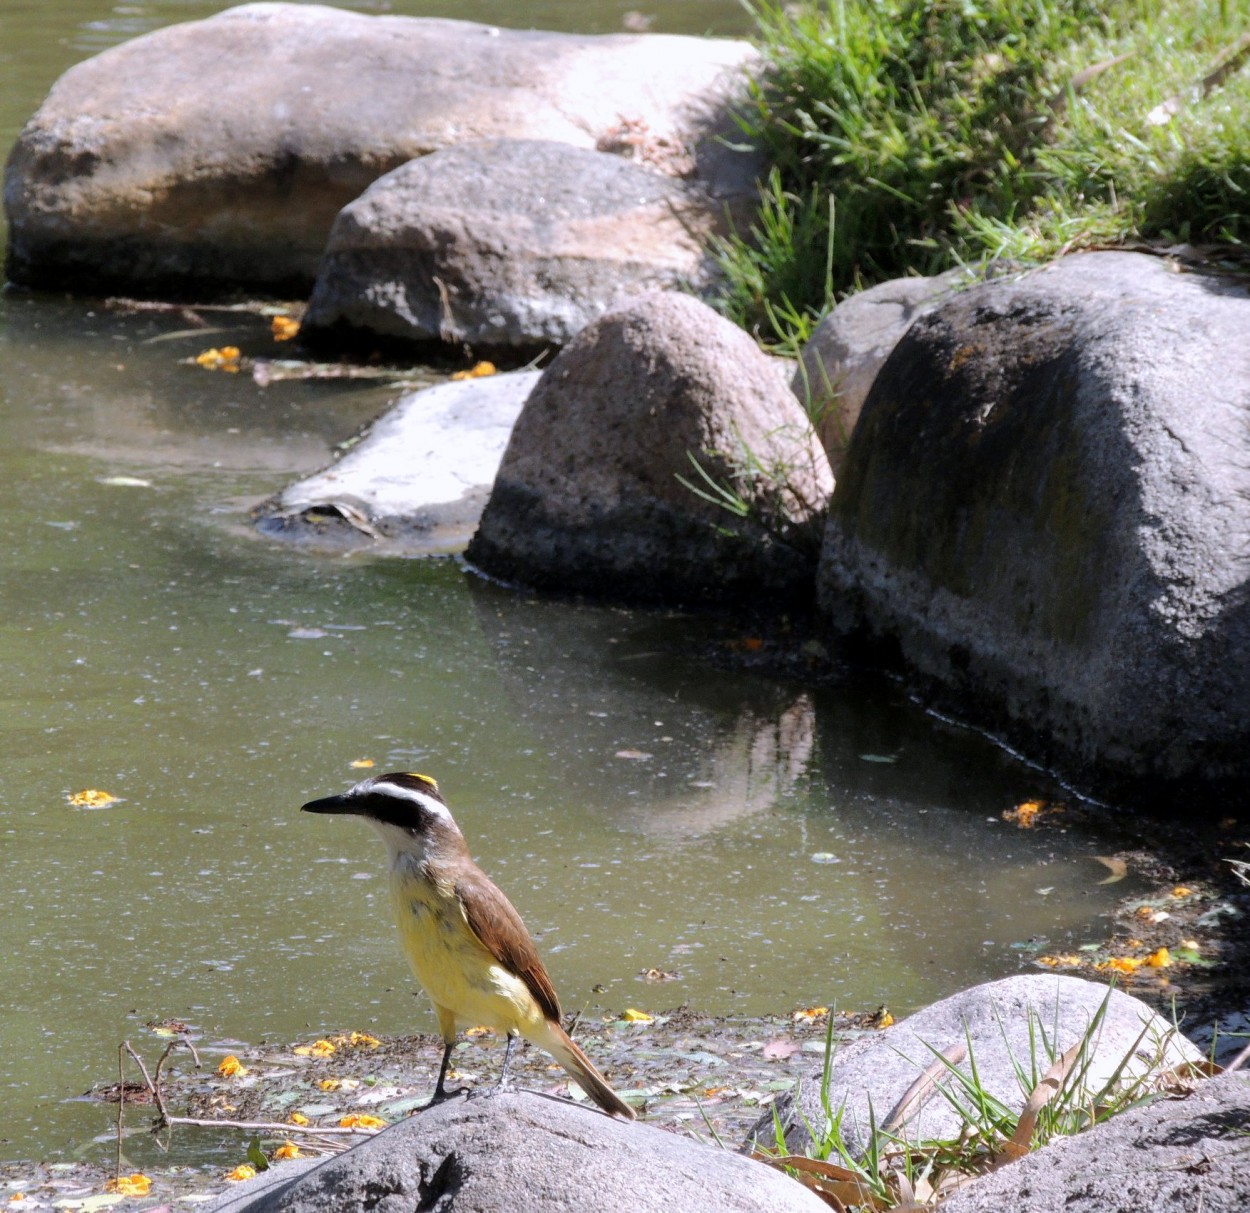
(418, 480)
(654, 744)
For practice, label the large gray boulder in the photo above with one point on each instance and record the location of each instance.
(510, 244)
(417, 481)
(1189, 1155)
(218, 152)
(1017, 1023)
(613, 482)
(1044, 518)
(849, 346)
(519, 1152)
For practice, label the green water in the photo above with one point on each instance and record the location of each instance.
(774, 845)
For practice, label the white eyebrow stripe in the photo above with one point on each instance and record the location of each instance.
(402, 793)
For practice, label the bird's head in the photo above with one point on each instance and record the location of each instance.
(407, 809)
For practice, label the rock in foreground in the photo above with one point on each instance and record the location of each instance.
(1024, 1022)
(217, 153)
(1044, 518)
(1185, 1156)
(519, 1152)
(613, 481)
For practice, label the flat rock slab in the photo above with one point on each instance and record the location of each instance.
(218, 152)
(1189, 1155)
(1024, 1021)
(509, 244)
(518, 1152)
(1044, 519)
(419, 479)
(613, 483)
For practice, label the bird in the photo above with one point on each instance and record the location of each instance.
(467, 946)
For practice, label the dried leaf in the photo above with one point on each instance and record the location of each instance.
(1117, 866)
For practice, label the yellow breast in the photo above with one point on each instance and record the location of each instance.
(453, 966)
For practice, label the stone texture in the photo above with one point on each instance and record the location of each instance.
(518, 1152)
(850, 345)
(507, 244)
(590, 496)
(1044, 520)
(218, 152)
(993, 1021)
(1186, 1156)
(418, 480)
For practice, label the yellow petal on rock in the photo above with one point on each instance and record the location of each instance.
(633, 1015)
(298, 1118)
(1159, 959)
(362, 1040)
(329, 1084)
(477, 371)
(231, 1067)
(283, 328)
(242, 1172)
(1181, 890)
(358, 1120)
(288, 1149)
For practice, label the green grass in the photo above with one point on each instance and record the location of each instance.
(912, 135)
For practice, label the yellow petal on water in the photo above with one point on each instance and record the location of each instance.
(478, 371)
(130, 1185)
(284, 328)
(242, 1172)
(231, 1067)
(288, 1149)
(91, 798)
(1025, 814)
(633, 1015)
(361, 762)
(358, 1120)
(479, 1030)
(224, 359)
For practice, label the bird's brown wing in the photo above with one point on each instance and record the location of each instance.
(492, 918)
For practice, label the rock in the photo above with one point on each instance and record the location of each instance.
(1043, 518)
(849, 346)
(420, 477)
(1001, 1023)
(1185, 1156)
(599, 493)
(508, 244)
(218, 152)
(519, 1152)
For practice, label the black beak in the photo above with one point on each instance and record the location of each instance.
(332, 804)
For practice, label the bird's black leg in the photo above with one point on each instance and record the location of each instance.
(440, 1091)
(507, 1057)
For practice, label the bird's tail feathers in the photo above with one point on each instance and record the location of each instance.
(565, 1050)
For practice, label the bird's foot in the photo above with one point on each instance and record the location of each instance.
(441, 1094)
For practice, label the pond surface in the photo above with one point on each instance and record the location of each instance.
(770, 844)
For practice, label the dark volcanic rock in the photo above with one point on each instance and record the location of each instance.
(598, 492)
(1044, 518)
